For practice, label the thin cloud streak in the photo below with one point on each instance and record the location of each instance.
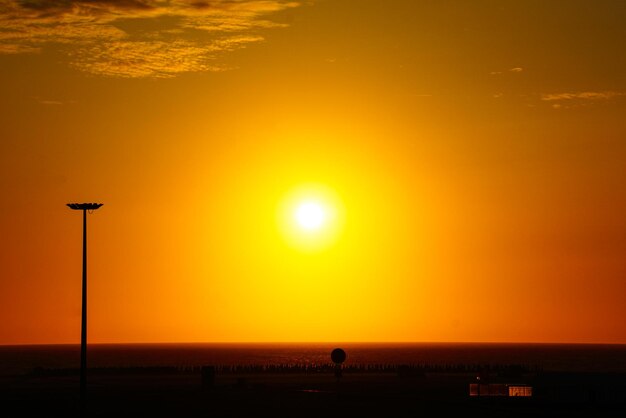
(586, 95)
(191, 34)
(510, 70)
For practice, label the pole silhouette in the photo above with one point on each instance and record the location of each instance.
(83, 324)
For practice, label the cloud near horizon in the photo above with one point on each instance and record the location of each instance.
(115, 37)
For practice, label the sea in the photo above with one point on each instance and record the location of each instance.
(20, 359)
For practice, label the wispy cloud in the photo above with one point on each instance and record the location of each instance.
(136, 38)
(579, 99)
(586, 95)
(510, 70)
(51, 102)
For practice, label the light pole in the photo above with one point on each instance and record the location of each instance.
(83, 325)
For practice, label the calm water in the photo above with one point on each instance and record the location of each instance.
(557, 357)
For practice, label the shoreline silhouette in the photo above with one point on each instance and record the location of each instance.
(313, 389)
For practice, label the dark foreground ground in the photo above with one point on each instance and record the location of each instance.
(182, 394)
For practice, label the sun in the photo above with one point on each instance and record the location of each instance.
(310, 215)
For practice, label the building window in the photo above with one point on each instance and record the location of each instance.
(520, 391)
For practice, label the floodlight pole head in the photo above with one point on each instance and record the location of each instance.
(84, 206)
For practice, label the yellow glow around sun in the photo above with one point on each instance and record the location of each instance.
(311, 217)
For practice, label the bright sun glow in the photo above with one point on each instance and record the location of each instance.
(310, 215)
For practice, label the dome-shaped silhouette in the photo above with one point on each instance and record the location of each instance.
(338, 356)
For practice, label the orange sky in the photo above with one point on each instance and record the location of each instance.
(472, 154)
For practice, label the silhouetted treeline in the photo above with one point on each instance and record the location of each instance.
(401, 369)
(298, 368)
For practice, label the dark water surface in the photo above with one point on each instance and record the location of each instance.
(549, 357)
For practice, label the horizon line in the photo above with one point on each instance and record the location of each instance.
(311, 342)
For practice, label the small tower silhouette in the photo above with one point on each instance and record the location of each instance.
(338, 356)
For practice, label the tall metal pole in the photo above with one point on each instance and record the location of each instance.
(83, 325)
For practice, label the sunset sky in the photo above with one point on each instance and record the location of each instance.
(464, 163)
